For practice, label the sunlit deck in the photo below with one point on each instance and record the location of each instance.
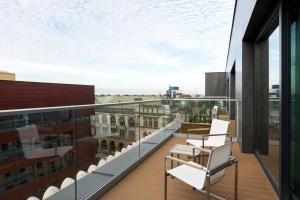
(146, 181)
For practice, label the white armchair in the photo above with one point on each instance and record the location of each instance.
(200, 177)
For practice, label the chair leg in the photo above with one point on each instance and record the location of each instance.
(171, 161)
(165, 189)
(236, 181)
(208, 188)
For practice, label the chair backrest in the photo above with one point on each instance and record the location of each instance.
(217, 157)
(80, 174)
(67, 181)
(218, 127)
(51, 190)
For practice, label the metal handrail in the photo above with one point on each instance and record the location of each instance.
(94, 106)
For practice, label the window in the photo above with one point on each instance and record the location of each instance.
(268, 99)
(4, 147)
(131, 122)
(122, 133)
(7, 175)
(39, 165)
(112, 146)
(120, 146)
(145, 122)
(295, 104)
(22, 170)
(103, 145)
(104, 119)
(122, 121)
(155, 123)
(150, 122)
(113, 120)
(131, 135)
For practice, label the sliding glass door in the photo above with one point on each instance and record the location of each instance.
(295, 104)
(268, 100)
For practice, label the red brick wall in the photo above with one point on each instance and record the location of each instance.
(19, 94)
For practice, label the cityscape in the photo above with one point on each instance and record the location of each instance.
(150, 100)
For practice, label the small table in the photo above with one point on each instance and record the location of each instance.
(185, 150)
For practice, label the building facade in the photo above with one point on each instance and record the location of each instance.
(117, 128)
(263, 74)
(7, 76)
(37, 149)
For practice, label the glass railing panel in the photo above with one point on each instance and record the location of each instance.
(92, 144)
(37, 151)
(199, 113)
(115, 128)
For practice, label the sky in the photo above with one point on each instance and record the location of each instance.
(120, 46)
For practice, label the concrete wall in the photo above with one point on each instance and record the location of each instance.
(215, 84)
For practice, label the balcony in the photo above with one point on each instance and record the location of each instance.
(115, 167)
(146, 181)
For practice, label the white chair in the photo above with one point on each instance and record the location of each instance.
(117, 153)
(80, 174)
(123, 150)
(101, 162)
(51, 190)
(91, 168)
(200, 177)
(33, 198)
(66, 182)
(109, 158)
(215, 138)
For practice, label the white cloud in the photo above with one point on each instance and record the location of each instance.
(117, 44)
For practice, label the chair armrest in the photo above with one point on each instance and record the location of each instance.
(196, 129)
(201, 149)
(191, 164)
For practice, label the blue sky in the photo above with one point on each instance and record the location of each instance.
(120, 46)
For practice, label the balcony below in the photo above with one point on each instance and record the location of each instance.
(146, 181)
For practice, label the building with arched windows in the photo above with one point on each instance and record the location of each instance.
(116, 128)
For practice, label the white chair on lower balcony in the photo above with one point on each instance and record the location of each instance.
(109, 158)
(33, 198)
(101, 162)
(216, 137)
(66, 182)
(200, 177)
(91, 168)
(80, 175)
(118, 153)
(51, 190)
(123, 150)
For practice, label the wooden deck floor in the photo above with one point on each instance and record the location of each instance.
(146, 181)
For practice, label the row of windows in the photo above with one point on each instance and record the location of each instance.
(17, 121)
(112, 146)
(150, 122)
(16, 149)
(12, 179)
(113, 121)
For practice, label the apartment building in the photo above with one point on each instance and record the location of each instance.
(37, 149)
